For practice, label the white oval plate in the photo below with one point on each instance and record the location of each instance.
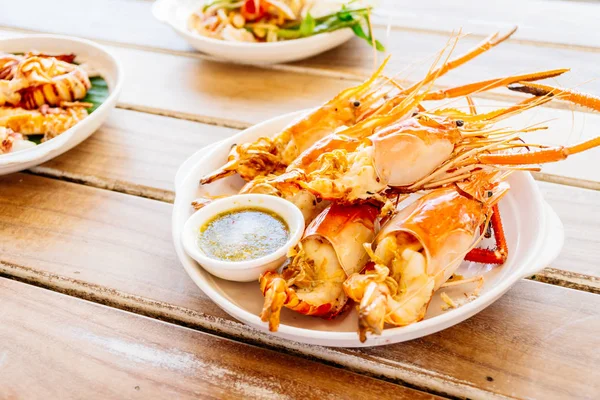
(534, 233)
(175, 13)
(86, 51)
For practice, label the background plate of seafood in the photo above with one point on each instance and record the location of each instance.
(97, 58)
(534, 235)
(176, 13)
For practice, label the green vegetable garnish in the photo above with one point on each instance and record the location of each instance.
(37, 139)
(307, 27)
(97, 94)
(354, 19)
(223, 3)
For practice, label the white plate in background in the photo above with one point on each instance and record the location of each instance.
(176, 13)
(89, 52)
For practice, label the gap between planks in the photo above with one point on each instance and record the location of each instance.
(551, 276)
(222, 122)
(568, 279)
(310, 71)
(400, 373)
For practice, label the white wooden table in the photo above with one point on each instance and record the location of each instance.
(88, 271)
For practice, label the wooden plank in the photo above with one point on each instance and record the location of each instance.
(414, 52)
(559, 22)
(578, 209)
(56, 346)
(409, 49)
(117, 249)
(135, 153)
(112, 217)
(223, 93)
(542, 22)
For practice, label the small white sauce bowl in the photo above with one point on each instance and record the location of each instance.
(248, 270)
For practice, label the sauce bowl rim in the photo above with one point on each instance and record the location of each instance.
(286, 210)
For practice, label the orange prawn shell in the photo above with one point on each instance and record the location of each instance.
(346, 228)
(305, 132)
(329, 143)
(445, 223)
(338, 112)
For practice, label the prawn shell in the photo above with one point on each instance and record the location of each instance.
(346, 228)
(309, 130)
(408, 151)
(336, 114)
(284, 186)
(445, 223)
(325, 145)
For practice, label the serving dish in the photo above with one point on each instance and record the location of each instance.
(534, 234)
(175, 13)
(100, 60)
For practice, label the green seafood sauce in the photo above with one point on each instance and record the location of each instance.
(243, 234)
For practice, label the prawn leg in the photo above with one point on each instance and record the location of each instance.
(492, 84)
(497, 255)
(545, 155)
(485, 45)
(570, 95)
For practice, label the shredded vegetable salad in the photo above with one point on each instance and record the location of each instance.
(276, 20)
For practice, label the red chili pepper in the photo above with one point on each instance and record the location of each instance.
(250, 12)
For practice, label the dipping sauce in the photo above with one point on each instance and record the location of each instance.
(243, 234)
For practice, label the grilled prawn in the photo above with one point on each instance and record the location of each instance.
(428, 150)
(378, 96)
(330, 251)
(418, 250)
(266, 156)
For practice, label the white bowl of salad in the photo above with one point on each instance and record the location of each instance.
(266, 31)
